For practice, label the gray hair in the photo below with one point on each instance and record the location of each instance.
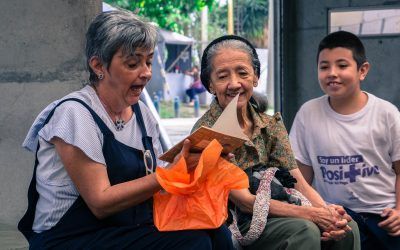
(229, 44)
(112, 30)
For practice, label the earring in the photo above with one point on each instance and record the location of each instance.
(100, 76)
(212, 91)
(255, 84)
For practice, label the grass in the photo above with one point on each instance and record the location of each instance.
(185, 111)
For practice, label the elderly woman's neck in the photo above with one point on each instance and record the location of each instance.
(245, 121)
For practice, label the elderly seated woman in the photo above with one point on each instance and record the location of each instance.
(230, 67)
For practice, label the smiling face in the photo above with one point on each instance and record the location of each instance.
(338, 75)
(127, 75)
(232, 74)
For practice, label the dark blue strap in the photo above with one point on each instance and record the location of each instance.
(26, 223)
(103, 127)
(146, 140)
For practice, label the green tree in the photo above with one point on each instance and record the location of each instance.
(251, 19)
(174, 15)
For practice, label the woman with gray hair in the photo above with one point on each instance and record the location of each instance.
(96, 151)
(271, 214)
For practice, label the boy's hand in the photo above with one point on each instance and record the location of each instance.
(392, 221)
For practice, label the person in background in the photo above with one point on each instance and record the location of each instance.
(195, 88)
(230, 67)
(347, 143)
(96, 152)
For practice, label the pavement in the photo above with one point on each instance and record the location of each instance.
(178, 128)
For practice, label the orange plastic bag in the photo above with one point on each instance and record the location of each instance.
(197, 200)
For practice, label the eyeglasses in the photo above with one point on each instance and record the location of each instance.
(148, 162)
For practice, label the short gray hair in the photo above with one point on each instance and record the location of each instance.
(112, 30)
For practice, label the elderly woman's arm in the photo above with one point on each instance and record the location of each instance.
(92, 182)
(323, 217)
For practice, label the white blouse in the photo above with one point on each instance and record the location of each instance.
(74, 124)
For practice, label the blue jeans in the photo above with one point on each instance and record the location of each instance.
(194, 91)
(371, 235)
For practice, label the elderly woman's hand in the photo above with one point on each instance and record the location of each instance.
(338, 229)
(331, 223)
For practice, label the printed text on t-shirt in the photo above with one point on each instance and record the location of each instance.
(342, 170)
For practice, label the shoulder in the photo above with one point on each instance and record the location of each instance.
(274, 124)
(384, 109)
(384, 105)
(270, 121)
(312, 109)
(86, 95)
(314, 104)
(147, 114)
(204, 120)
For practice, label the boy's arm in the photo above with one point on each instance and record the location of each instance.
(392, 221)
(306, 171)
(305, 188)
(396, 167)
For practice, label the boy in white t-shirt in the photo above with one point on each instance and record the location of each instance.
(347, 143)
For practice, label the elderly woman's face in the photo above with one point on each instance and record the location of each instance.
(128, 74)
(232, 74)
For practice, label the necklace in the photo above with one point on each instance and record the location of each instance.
(119, 123)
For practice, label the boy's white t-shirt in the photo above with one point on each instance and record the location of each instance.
(351, 155)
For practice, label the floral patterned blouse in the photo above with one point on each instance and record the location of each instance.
(269, 144)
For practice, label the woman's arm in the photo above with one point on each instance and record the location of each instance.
(93, 185)
(92, 182)
(304, 187)
(323, 217)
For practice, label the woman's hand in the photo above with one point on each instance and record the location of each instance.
(91, 180)
(392, 222)
(334, 227)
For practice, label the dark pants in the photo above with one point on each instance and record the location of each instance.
(194, 91)
(372, 236)
(142, 237)
(298, 234)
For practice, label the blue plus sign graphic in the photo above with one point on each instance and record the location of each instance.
(352, 173)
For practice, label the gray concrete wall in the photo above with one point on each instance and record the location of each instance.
(301, 26)
(42, 59)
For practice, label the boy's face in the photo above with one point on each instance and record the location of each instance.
(338, 74)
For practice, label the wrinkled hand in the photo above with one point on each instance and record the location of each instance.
(392, 221)
(332, 222)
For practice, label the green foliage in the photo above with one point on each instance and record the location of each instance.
(250, 20)
(174, 15)
(250, 16)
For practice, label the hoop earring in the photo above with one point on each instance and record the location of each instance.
(255, 84)
(100, 76)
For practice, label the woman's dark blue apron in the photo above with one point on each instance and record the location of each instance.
(131, 228)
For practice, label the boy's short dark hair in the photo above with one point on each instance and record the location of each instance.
(346, 40)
